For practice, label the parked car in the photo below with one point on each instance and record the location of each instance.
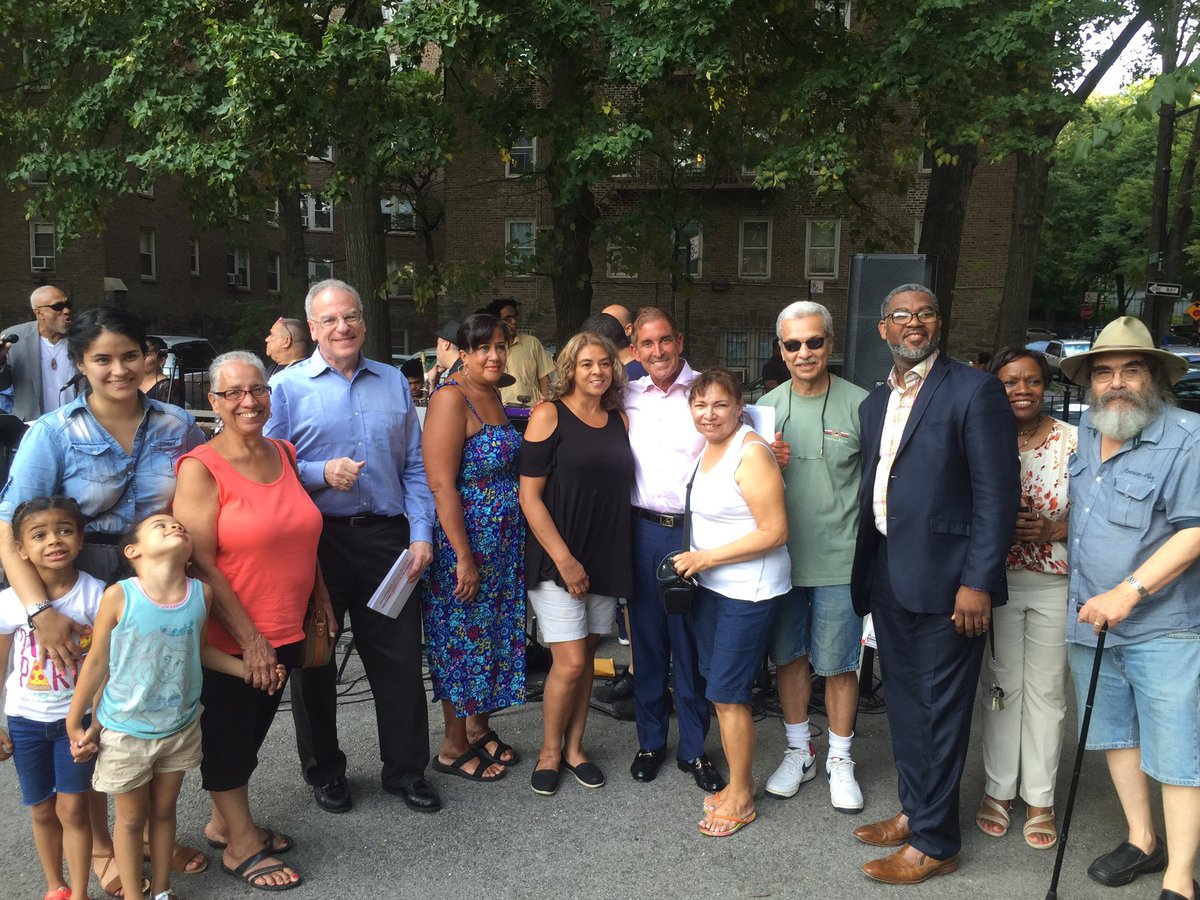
(1039, 334)
(1039, 346)
(188, 359)
(1191, 354)
(1058, 350)
(1187, 391)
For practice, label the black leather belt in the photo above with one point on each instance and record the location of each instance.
(667, 520)
(358, 521)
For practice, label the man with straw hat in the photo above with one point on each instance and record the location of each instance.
(1134, 540)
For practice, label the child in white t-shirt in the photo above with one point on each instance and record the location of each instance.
(49, 533)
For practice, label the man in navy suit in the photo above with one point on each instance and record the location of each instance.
(938, 502)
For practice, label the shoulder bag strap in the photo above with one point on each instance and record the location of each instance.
(687, 508)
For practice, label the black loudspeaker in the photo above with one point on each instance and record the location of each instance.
(872, 275)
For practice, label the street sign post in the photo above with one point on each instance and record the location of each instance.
(1164, 289)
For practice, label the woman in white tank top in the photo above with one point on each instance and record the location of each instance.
(739, 557)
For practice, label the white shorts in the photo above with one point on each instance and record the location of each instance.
(561, 617)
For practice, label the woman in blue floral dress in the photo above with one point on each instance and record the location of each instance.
(473, 599)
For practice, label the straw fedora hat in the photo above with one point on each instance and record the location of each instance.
(1125, 335)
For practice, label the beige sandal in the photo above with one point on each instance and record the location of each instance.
(1043, 823)
(991, 811)
(101, 865)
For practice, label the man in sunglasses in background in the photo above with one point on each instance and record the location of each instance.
(816, 445)
(37, 362)
(937, 506)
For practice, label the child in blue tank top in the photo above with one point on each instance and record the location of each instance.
(148, 647)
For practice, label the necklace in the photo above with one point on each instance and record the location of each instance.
(1028, 435)
(55, 352)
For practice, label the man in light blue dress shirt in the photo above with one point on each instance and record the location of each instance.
(358, 449)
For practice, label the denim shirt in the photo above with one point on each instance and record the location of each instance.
(68, 452)
(1122, 511)
(369, 417)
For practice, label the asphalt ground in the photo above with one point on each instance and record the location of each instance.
(625, 840)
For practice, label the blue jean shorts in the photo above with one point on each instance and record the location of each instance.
(731, 642)
(1147, 696)
(820, 623)
(42, 755)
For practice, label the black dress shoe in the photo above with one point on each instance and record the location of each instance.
(645, 764)
(619, 688)
(1127, 862)
(1175, 895)
(708, 779)
(334, 797)
(417, 794)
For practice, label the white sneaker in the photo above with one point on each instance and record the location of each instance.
(798, 766)
(844, 792)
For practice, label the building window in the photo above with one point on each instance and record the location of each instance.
(519, 242)
(398, 216)
(319, 270)
(237, 268)
(522, 158)
(744, 351)
(834, 11)
(316, 213)
(322, 154)
(146, 262)
(754, 249)
(145, 186)
(927, 160)
(621, 261)
(821, 248)
(38, 176)
(273, 214)
(41, 246)
(689, 159)
(194, 256)
(273, 273)
(689, 249)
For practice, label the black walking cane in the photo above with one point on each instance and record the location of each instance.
(1052, 894)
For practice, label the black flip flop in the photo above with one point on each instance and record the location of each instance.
(501, 747)
(456, 768)
(288, 843)
(243, 873)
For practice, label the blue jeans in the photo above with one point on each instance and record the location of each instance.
(1147, 696)
(658, 641)
(820, 623)
(42, 755)
(732, 637)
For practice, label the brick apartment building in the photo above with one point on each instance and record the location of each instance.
(753, 253)
(222, 284)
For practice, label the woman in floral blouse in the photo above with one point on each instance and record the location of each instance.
(1028, 659)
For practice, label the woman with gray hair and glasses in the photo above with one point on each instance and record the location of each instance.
(254, 532)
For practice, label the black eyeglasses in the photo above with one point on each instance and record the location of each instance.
(813, 343)
(257, 392)
(903, 316)
(57, 307)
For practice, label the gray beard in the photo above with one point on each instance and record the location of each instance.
(913, 355)
(1123, 424)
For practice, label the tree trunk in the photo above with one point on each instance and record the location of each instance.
(1156, 313)
(574, 222)
(293, 260)
(942, 225)
(1181, 219)
(366, 265)
(1029, 204)
(1122, 295)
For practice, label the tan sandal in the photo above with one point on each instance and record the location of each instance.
(1042, 823)
(112, 885)
(991, 811)
(184, 860)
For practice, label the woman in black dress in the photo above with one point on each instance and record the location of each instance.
(576, 477)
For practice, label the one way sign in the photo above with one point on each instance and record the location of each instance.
(1164, 289)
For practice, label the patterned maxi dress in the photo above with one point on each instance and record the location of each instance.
(476, 648)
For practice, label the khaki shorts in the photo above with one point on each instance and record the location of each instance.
(127, 762)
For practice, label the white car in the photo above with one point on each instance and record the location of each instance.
(1058, 350)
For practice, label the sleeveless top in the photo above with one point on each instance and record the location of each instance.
(720, 516)
(589, 480)
(266, 547)
(153, 688)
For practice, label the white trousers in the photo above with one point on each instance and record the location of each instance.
(1025, 738)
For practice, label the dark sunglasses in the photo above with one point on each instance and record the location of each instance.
(59, 306)
(813, 343)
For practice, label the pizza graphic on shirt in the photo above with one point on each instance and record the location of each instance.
(85, 640)
(37, 678)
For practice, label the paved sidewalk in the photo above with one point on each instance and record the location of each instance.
(626, 840)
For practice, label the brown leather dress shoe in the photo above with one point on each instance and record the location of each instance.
(898, 869)
(888, 833)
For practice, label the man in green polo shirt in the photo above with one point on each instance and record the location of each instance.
(816, 444)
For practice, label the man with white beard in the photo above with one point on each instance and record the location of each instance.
(1134, 540)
